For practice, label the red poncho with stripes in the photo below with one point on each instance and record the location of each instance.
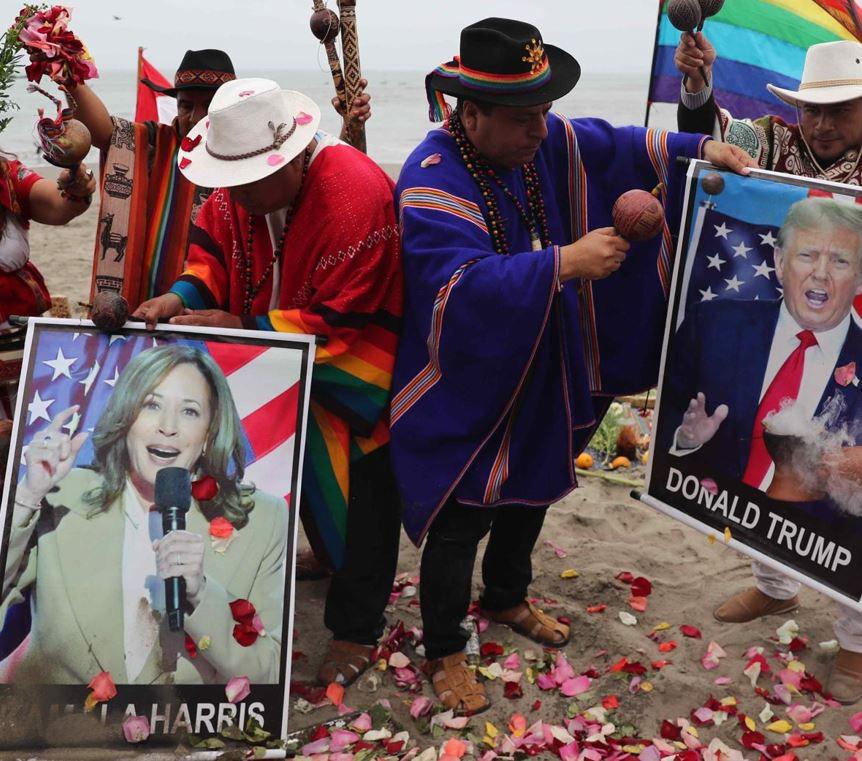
(340, 278)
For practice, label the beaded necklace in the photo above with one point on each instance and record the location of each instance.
(251, 290)
(536, 220)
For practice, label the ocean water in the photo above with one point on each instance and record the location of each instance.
(399, 109)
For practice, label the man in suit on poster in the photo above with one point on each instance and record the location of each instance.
(736, 362)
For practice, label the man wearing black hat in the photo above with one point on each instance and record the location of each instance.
(513, 342)
(147, 205)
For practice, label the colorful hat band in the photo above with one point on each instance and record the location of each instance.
(488, 82)
(202, 78)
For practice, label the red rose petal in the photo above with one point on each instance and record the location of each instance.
(690, 631)
(490, 649)
(609, 702)
(512, 690)
(191, 647)
(641, 587)
(184, 162)
(596, 608)
(666, 647)
(205, 488)
(626, 577)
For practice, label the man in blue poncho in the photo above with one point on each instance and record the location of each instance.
(513, 342)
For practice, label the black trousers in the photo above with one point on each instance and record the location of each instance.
(360, 589)
(447, 567)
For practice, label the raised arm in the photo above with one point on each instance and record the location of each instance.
(58, 202)
(696, 110)
(92, 112)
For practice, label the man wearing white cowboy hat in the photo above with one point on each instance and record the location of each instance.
(827, 140)
(147, 207)
(300, 235)
(825, 143)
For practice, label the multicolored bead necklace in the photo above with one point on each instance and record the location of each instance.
(536, 220)
(251, 290)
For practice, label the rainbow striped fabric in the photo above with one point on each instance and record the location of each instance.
(758, 41)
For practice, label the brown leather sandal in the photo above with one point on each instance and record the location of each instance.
(525, 618)
(344, 661)
(455, 684)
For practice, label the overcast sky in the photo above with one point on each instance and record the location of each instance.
(413, 35)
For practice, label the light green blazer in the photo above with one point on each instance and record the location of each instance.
(73, 565)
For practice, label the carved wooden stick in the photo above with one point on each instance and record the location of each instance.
(324, 26)
(352, 69)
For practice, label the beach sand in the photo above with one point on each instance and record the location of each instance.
(603, 532)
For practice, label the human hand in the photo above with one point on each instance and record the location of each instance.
(210, 318)
(360, 109)
(697, 427)
(728, 156)
(692, 55)
(82, 184)
(159, 308)
(594, 256)
(181, 554)
(48, 458)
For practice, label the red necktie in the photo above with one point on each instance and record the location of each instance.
(784, 386)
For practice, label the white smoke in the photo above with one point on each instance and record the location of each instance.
(814, 461)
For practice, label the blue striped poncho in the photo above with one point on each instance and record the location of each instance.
(500, 374)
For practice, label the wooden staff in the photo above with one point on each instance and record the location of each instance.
(352, 69)
(324, 26)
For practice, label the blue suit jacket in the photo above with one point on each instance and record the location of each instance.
(722, 349)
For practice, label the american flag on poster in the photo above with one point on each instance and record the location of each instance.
(70, 368)
(734, 260)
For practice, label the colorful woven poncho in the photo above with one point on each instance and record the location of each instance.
(340, 279)
(501, 375)
(146, 212)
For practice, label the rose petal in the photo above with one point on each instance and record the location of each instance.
(136, 729)
(421, 706)
(399, 660)
(434, 158)
(238, 688)
(303, 118)
(184, 162)
(274, 159)
(576, 686)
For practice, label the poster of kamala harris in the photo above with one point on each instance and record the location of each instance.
(758, 432)
(150, 525)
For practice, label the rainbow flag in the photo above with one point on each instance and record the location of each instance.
(757, 41)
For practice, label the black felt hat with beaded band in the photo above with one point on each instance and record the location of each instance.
(199, 70)
(502, 62)
(253, 128)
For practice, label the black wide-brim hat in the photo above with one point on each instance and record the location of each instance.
(199, 70)
(503, 62)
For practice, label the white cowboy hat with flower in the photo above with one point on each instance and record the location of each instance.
(253, 128)
(832, 74)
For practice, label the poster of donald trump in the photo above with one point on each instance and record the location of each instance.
(758, 432)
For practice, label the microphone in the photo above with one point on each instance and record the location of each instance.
(173, 498)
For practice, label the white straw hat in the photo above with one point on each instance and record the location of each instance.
(832, 74)
(252, 129)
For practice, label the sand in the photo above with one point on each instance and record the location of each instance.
(603, 531)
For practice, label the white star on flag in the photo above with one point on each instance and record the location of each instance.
(91, 376)
(60, 365)
(768, 239)
(715, 261)
(740, 250)
(733, 284)
(115, 337)
(722, 231)
(38, 408)
(708, 295)
(113, 380)
(762, 269)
